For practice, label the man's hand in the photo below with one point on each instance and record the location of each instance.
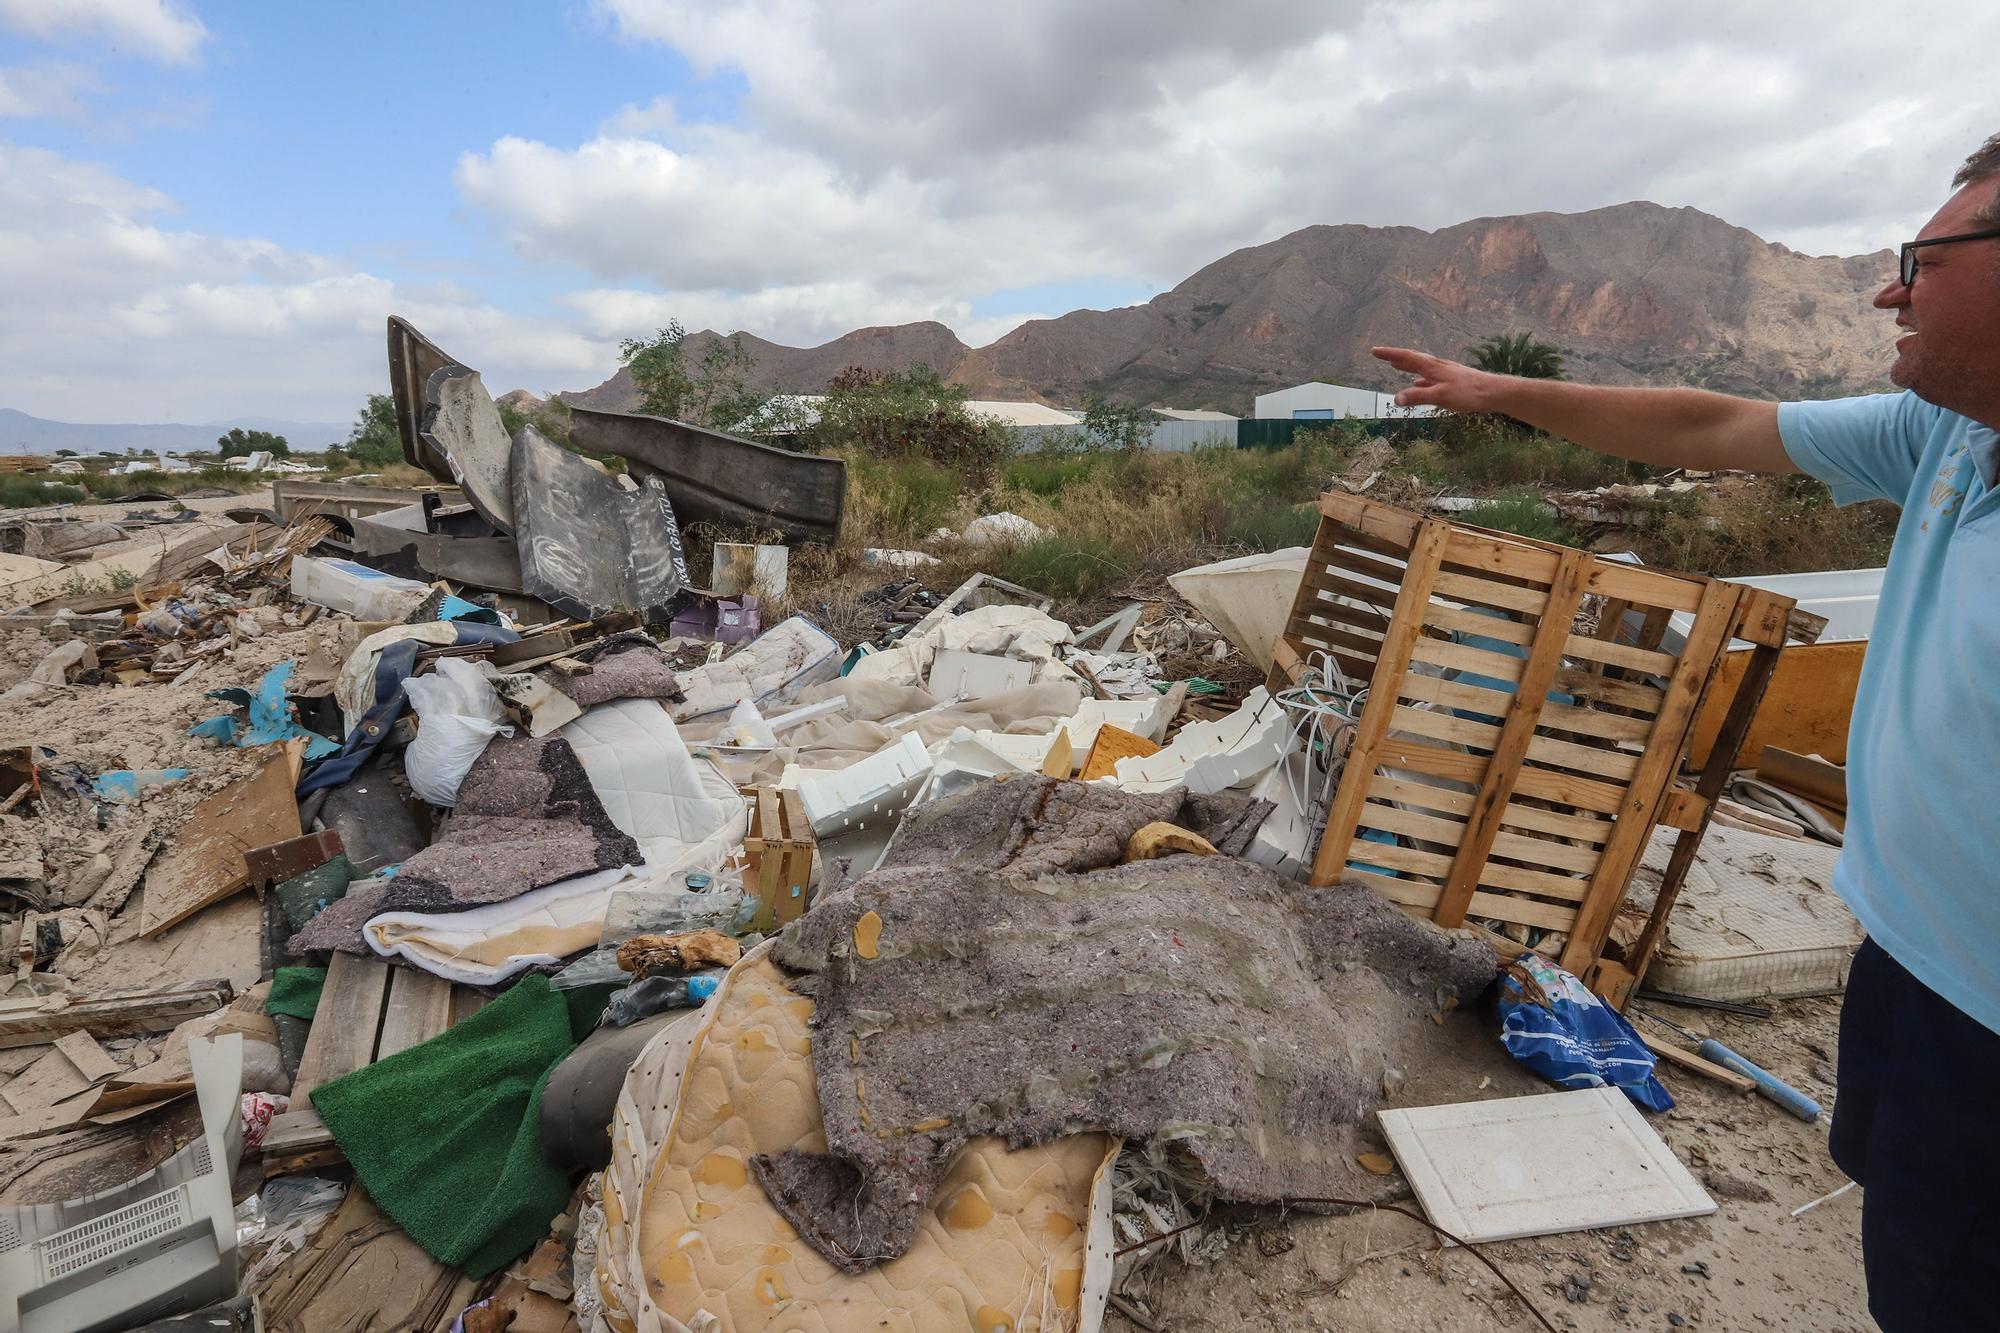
(1440, 383)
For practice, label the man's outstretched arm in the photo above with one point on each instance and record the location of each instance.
(1661, 427)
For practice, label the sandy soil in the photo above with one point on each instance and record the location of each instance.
(1749, 1266)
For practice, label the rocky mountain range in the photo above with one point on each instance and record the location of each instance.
(1632, 294)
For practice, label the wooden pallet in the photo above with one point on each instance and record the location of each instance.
(778, 855)
(1518, 763)
(367, 1011)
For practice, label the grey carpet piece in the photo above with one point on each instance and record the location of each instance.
(1197, 1002)
(1031, 825)
(624, 666)
(527, 817)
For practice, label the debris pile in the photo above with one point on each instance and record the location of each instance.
(384, 875)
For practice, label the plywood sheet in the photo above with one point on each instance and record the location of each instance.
(1537, 1166)
(202, 862)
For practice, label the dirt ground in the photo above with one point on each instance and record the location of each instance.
(1748, 1266)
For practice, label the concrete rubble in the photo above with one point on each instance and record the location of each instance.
(1041, 898)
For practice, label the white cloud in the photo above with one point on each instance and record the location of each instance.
(156, 29)
(109, 314)
(908, 156)
(54, 89)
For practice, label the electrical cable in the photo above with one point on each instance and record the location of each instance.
(1467, 1246)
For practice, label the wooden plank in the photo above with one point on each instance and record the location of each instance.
(24, 1022)
(1595, 722)
(1471, 622)
(465, 1002)
(1615, 764)
(419, 1009)
(1686, 1059)
(1494, 906)
(1479, 661)
(1373, 729)
(1708, 790)
(1517, 815)
(1620, 655)
(1699, 659)
(1683, 809)
(1555, 716)
(345, 1025)
(1615, 693)
(1485, 592)
(203, 863)
(1804, 775)
(1493, 554)
(1647, 587)
(1384, 523)
(1583, 828)
(1568, 888)
(1517, 733)
(1321, 581)
(1513, 846)
(1402, 858)
(1355, 561)
(1542, 784)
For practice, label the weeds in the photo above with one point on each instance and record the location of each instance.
(1768, 525)
(18, 492)
(1480, 451)
(1524, 514)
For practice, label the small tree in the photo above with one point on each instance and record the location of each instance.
(897, 414)
(65, 453)
(716, 393)
(1517, 354)
(375, 441)
(1120, 426)
(239, 443)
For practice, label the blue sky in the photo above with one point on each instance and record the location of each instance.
(211, 207)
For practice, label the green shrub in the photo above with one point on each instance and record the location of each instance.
(18, 492)
(1070, 569)
(1047, 474)
(899, 501)
(1524, 514)
(1476, 450)
(1274, 529)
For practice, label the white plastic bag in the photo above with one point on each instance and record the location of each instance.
(746, 727)
(459, 713)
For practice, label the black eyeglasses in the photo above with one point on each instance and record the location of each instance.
(1908, 272)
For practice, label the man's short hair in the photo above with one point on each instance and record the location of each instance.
(1983, 165)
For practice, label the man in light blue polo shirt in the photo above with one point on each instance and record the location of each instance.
(1917, 1117)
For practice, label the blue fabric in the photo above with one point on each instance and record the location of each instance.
(392, 667)
(1913, 1123)
(1570, 1036)
(1918, 865)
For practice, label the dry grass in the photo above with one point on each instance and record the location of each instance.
(1768, 525)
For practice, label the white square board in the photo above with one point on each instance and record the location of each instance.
(1535, 1166)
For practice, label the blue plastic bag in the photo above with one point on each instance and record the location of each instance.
(1570, 1036)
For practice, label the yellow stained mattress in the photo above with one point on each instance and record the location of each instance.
(1018, 1242)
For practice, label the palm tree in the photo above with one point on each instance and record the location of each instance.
(1517, 354)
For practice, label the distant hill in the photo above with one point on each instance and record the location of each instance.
(23, 434)
(1635, 293)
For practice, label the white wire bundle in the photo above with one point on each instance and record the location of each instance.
(1324, 706)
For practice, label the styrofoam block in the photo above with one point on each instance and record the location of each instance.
(1537, 1166)
(1283, 842)
(361, 592)
(1141, 717)
(962, 675)
(866, 792)
(1208, 757)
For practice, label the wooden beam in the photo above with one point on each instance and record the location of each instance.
(1406, 625)
(1517, 732)
(25, 1022)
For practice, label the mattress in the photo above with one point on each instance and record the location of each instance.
(1019, 1242)
(681, 810)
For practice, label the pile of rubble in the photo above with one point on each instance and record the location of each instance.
(548, 944)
